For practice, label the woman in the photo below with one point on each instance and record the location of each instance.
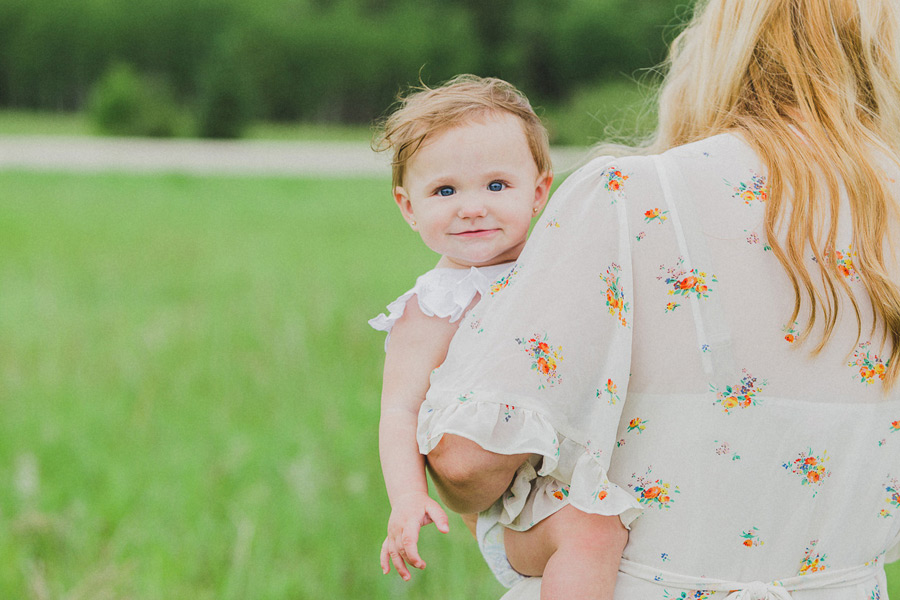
(733, 300)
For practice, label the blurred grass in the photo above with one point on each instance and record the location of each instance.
(309, 131)
(190, 390)
(22, 122)
(609, 111)
(25, 122)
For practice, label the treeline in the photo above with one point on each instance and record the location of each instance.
(318, 60)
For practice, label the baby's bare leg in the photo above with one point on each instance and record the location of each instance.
(469, 478)
(577, 553)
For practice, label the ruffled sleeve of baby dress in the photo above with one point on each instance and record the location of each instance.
(442, 293)
(541, 365)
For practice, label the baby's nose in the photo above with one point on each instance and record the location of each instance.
(471, 209)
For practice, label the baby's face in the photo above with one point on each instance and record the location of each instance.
(471, 191)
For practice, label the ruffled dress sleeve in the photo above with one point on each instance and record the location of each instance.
(442, 293)
(541, 364)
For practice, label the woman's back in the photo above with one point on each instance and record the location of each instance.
(720, 188)
(753, 459)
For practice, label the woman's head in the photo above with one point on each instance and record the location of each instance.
(835, 63)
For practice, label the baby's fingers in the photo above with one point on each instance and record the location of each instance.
(385, 558)
(410, 541)
(399, 564)
(437, 516)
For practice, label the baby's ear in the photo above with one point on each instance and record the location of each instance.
(401, 197)
(542, 190)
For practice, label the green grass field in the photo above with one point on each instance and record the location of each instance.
(612, 111)
(24, 122)
(190, 390)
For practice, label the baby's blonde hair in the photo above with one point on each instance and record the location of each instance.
(425, 111)
(814, 87)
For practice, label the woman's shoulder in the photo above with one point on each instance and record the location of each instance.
(712, 153)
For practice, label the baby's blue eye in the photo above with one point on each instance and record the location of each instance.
(496, 186)
(446, 191)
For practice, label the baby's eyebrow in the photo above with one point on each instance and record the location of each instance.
(440, 182)
(498, 175)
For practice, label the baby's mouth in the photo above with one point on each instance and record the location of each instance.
(475, 233)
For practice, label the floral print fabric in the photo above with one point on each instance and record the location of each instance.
(730, 450)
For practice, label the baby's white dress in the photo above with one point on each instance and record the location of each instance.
(641, 346)
(447, 293)
(443, 293)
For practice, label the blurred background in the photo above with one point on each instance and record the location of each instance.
(189, 388)
(214, 68)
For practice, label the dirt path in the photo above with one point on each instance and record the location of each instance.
(87, 154)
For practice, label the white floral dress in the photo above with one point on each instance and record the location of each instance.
(640, 347)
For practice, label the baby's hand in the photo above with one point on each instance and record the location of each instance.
(410, 513)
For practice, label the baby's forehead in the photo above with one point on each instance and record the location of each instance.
(498, 122)
(475, 118)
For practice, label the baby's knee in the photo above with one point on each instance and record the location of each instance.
(452, 460)
(461, 462)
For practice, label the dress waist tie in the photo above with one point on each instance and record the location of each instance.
(755, 590)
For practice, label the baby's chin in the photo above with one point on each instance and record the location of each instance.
(468, 262)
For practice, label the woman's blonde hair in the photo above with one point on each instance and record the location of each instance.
(425, 111)
(828, 70)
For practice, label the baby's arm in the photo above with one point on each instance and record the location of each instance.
(418, 344)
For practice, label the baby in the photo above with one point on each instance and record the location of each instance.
(471, 169)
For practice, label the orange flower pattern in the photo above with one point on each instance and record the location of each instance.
(637, 424)
(615, 183)
(653, 492)
(742, 395)
(685, 283)
(546, 358)
(610, 390)
(561, 493)
(504, 281)
(615, 295)
(812, 563)
(810, 468)
(844, 261)
(751, 538)
(657, 215)
(754, 190)
(870, 366)
(791, 332)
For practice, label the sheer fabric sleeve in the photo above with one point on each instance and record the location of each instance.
(541, 364)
